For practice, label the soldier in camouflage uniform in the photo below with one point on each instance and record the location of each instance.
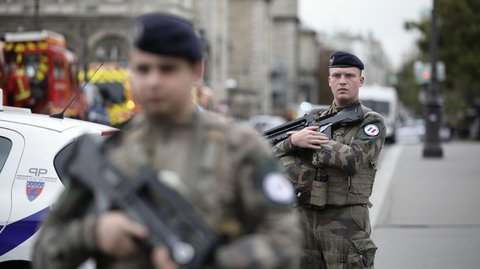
(224, 171)
(334, 177)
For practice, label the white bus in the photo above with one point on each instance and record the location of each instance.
(383, 100)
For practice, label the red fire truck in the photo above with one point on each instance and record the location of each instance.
(50, 68)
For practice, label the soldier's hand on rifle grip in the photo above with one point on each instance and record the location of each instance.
(116, 234)
(162, 259)
(309, 137)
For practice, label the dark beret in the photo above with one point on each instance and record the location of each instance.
(345, 59)
(167, 35)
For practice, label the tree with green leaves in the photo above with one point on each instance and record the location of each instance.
(407, 89)
(459, 49)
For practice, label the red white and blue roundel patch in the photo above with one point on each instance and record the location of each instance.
(371, 130)
(34, 188)
(278, 188)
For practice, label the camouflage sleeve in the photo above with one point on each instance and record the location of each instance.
(368, 141)
(272, 236)
(284, 147)
(67, 235)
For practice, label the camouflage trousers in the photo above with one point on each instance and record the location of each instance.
(336, 238)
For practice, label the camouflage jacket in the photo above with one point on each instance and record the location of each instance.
(349, 159)
(228, 190)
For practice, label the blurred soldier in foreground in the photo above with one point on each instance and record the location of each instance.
(224, 171)
(334, 178)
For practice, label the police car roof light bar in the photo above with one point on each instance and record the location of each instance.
(60, 115)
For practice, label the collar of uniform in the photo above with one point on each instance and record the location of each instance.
(162, 122)
(340, 108)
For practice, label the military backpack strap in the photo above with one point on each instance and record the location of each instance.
(209, 139)
(213, 141)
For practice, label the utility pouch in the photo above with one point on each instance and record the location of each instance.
(363, 252)
(301, 177)
(362, 183)
(318, 196)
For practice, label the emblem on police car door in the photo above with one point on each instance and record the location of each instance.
(34, 188)
(371, 130)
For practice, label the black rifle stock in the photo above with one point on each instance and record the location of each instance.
(348, 115)
(175, 224)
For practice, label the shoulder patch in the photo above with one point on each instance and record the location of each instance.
(372, 130)
(278, 188)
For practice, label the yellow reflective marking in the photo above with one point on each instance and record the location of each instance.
(118, 113)
(23, 94)
(42, 45)
(43, 58)
(20, 47)
(43, 67)
(40, 76)
(31, 46)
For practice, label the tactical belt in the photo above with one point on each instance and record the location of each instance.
(314, 207)
(335, 257)
(309, 206)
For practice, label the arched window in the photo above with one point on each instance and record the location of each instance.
(111, 49)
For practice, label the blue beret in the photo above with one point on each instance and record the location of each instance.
(345, 59)
(167, 35)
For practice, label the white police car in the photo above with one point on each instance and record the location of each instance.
(32, 151)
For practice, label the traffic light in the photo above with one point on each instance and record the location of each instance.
(392, 79)
(426, 75)
(422, 72)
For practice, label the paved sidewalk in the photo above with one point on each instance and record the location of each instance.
(430, 216)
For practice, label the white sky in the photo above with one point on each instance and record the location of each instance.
(383, 18)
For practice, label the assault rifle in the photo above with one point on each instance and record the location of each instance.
(348, 115)
(174, 223)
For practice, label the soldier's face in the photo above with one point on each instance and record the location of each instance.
(163, 84)
(345, 84)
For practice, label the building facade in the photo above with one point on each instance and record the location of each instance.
(308, 66)
(211, 19)
(249, 57)
(94, 30)
(251, 44)
(285, 55)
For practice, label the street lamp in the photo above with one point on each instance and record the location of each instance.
(433, 105)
